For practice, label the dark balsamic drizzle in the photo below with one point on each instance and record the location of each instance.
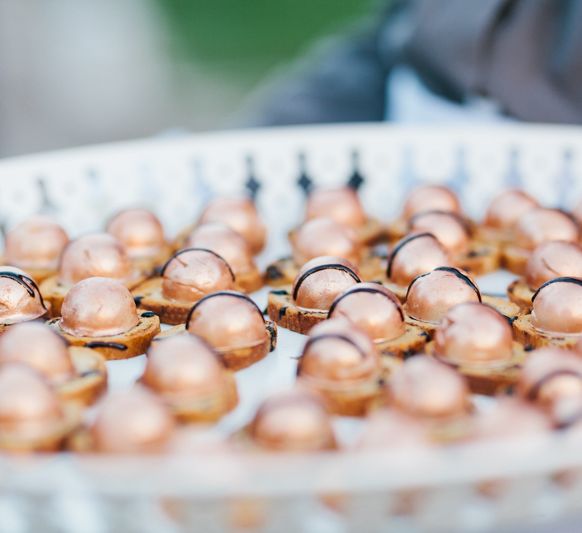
(184, 250)
(313, 270)
(369, 290)
(148, 314)
(28, 283)
(563, 279)
(137, 299)
(401, 245)
(234, 294)
(103, 344)
(323, 336)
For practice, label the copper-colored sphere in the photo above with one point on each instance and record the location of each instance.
(557, 307)
(321, 280)
(323, 236)
(474, 334)
(431, 295)
(36, 243)
(39, 347)
(549, 375)
(228, 320)
(226, 242)
(29, 406)
(294, 421)
(389, 429)
(341, 204)
(337, 350)
(508, 207)
(373, 308)
(553, 259)
(416, 254)
(541, 225)
(424, 387)
(183, 365)
(139, 230)
(510, 418)
(20, 299)
(241, 215)
(448, 228)
(194, 272)
(430, 198)
(98, 254)
(98, 307)
(134, 421)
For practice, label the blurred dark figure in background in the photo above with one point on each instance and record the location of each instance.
(440, 59)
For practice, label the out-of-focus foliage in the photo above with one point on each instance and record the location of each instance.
(246, 38)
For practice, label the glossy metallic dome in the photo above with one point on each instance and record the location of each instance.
(341, 204)
(29, 407)
(372, 308)
(508, 207)
(424, 387)
(430, 198)
(294, 421)
(553, 259)
(20, 299)
(321, 280)
(431, 295)
(337, 350)
(323, 236)
(228, 320)
(98, 254)
(38, 346)
(183, 365)
(448, 228)
(139, 231)
(415, 254)
(132, 422)
(35, 244)
(226, 242)
(541, 225)
(241, 215)
(195, 272)
(557, 307)
(98, 307)
(474, 335)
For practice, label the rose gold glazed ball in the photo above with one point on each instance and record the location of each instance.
(194, 273)
(228, 320)
(339, 352)
(294, 421)
(427, 388)
(321, 280)
(431, 295)
(549, 375)
(323, 236)
(241, 215)
(341, 204)
(98, 254)
(28, 405)
(542, 225)
(416, 254)
(508, 207)
(372, 308)
(226, 242)
(557, 308)
(448, 228)
(388, 429)
(139, 231)
(134, 421)
(553, 259)
(20, 299)
(474, 334)
(38, 346)
(430, 198)
(510, 418)
(36, 243)
(183, 365)
(98, 307)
